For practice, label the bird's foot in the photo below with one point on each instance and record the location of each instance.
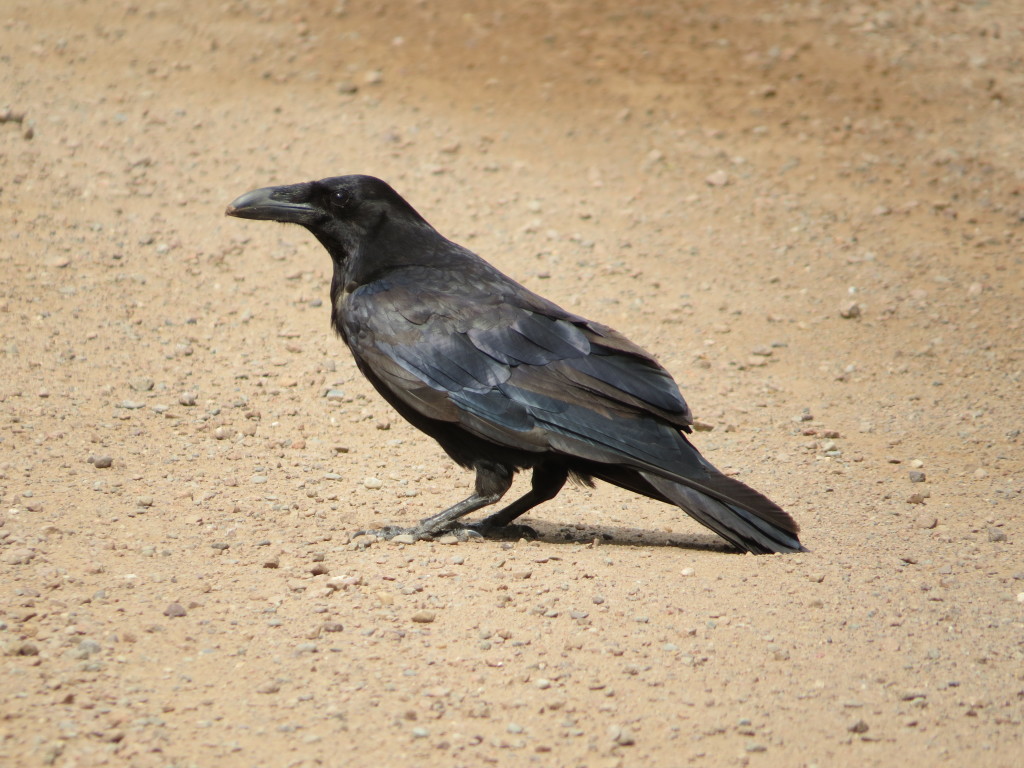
(485, 530)
(416, 533)
(391, 532)
(461, 531)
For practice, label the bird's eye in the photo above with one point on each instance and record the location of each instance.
(340, 199)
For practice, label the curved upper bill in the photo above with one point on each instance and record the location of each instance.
(269, 203)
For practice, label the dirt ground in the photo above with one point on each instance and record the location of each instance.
(813, 213)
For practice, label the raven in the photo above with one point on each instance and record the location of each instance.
(503, 378)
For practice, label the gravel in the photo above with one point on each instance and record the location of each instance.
(581, 156)
(175, 611)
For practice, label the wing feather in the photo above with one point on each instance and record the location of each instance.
(533, 377)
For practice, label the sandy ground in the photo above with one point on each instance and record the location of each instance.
(813, 213)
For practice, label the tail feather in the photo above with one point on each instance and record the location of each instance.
(759, 525)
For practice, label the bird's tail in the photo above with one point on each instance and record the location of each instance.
(735, 511)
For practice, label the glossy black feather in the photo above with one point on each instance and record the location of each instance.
(501, 377)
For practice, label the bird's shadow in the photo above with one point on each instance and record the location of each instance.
(623, 537)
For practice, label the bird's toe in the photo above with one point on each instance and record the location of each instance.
(463, 533)
(510, 532)
(392, 532)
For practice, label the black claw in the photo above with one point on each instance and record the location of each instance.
(389, 532)
(461, 531)
(510, 532)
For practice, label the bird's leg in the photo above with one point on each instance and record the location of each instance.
(492, 481)
(547, 481)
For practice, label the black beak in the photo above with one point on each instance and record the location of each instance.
(271, 204)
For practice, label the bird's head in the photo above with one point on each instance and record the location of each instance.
(344, 212)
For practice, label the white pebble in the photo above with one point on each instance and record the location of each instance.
(717, 179)
(849, 310)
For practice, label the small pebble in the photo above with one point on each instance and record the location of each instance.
(424, 617)
(21, 649)
(717, 178)
(621, 735)
(996, 534)
(101, 462)
(687, 572)
(174, 610)
(88, 647)
(916, 476)
(857, 726)
(19, 556)
(926, 521)
(372, 483)
(849, 310)
(271, 686)
(187, 398)
(271, 560)
(404, 538)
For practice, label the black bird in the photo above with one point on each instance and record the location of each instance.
(502, 378)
